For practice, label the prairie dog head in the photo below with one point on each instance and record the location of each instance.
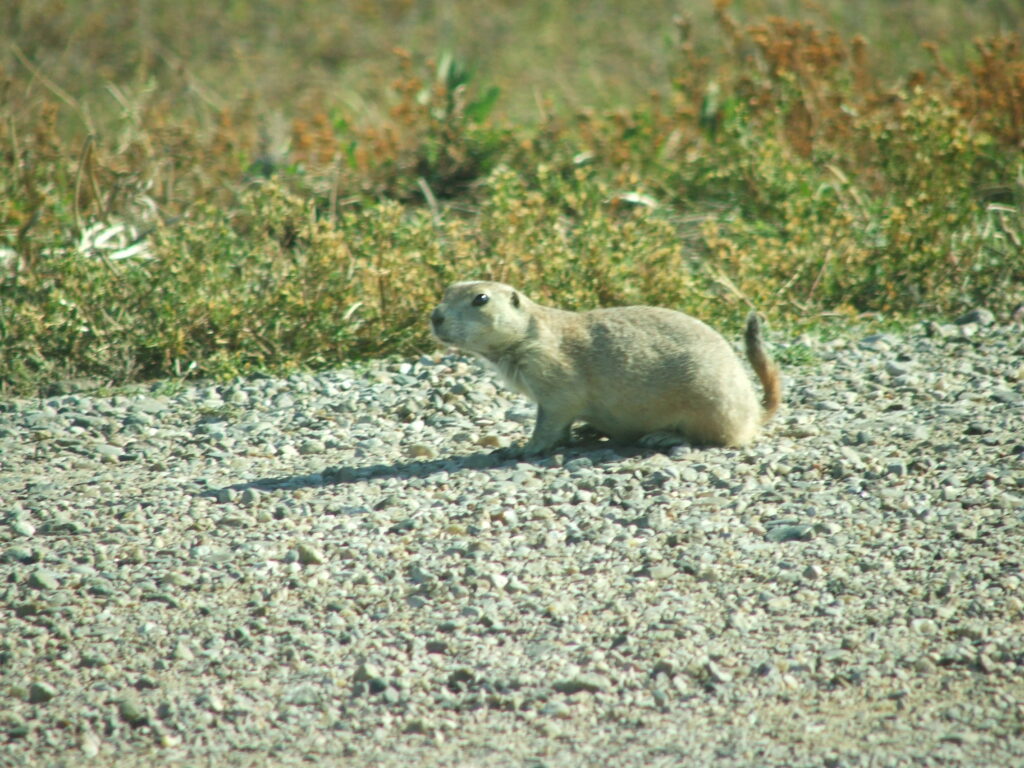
(481, 317)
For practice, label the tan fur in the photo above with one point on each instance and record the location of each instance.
(626, 371)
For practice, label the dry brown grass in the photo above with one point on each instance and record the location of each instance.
(294, 185)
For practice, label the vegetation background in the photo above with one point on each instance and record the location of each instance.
(197, 189)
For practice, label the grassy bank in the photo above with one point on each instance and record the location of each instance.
(186, 194)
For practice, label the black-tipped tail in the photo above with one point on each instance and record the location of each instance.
(766, 369)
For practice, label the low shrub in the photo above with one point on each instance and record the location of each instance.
(187, 235)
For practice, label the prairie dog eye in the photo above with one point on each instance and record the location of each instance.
(480, 299)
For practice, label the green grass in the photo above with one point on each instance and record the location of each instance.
(299, 183)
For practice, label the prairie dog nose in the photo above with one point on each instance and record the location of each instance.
(437, 318)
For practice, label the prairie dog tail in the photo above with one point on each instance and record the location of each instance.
(766, 369)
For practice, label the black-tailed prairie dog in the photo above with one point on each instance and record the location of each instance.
(628, 372)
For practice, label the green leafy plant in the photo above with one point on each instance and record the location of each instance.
(172, 206)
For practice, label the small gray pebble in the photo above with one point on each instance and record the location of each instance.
(309, 555)
(43, 579)
(248, 497)
(304, 696)
(896, 467)
(18, 555)
(311, 447)
(150, 405)
(132, 711)
(784, 533)
(22, 527)
(108, 452)
(41, 692)
(586, 682)
(979, 316)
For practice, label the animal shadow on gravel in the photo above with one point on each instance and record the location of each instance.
(597, 453)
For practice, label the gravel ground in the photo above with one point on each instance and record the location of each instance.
(334, 570)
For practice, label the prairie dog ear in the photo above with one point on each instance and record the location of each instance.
(515, 299)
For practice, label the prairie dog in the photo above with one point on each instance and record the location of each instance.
(626, 371)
